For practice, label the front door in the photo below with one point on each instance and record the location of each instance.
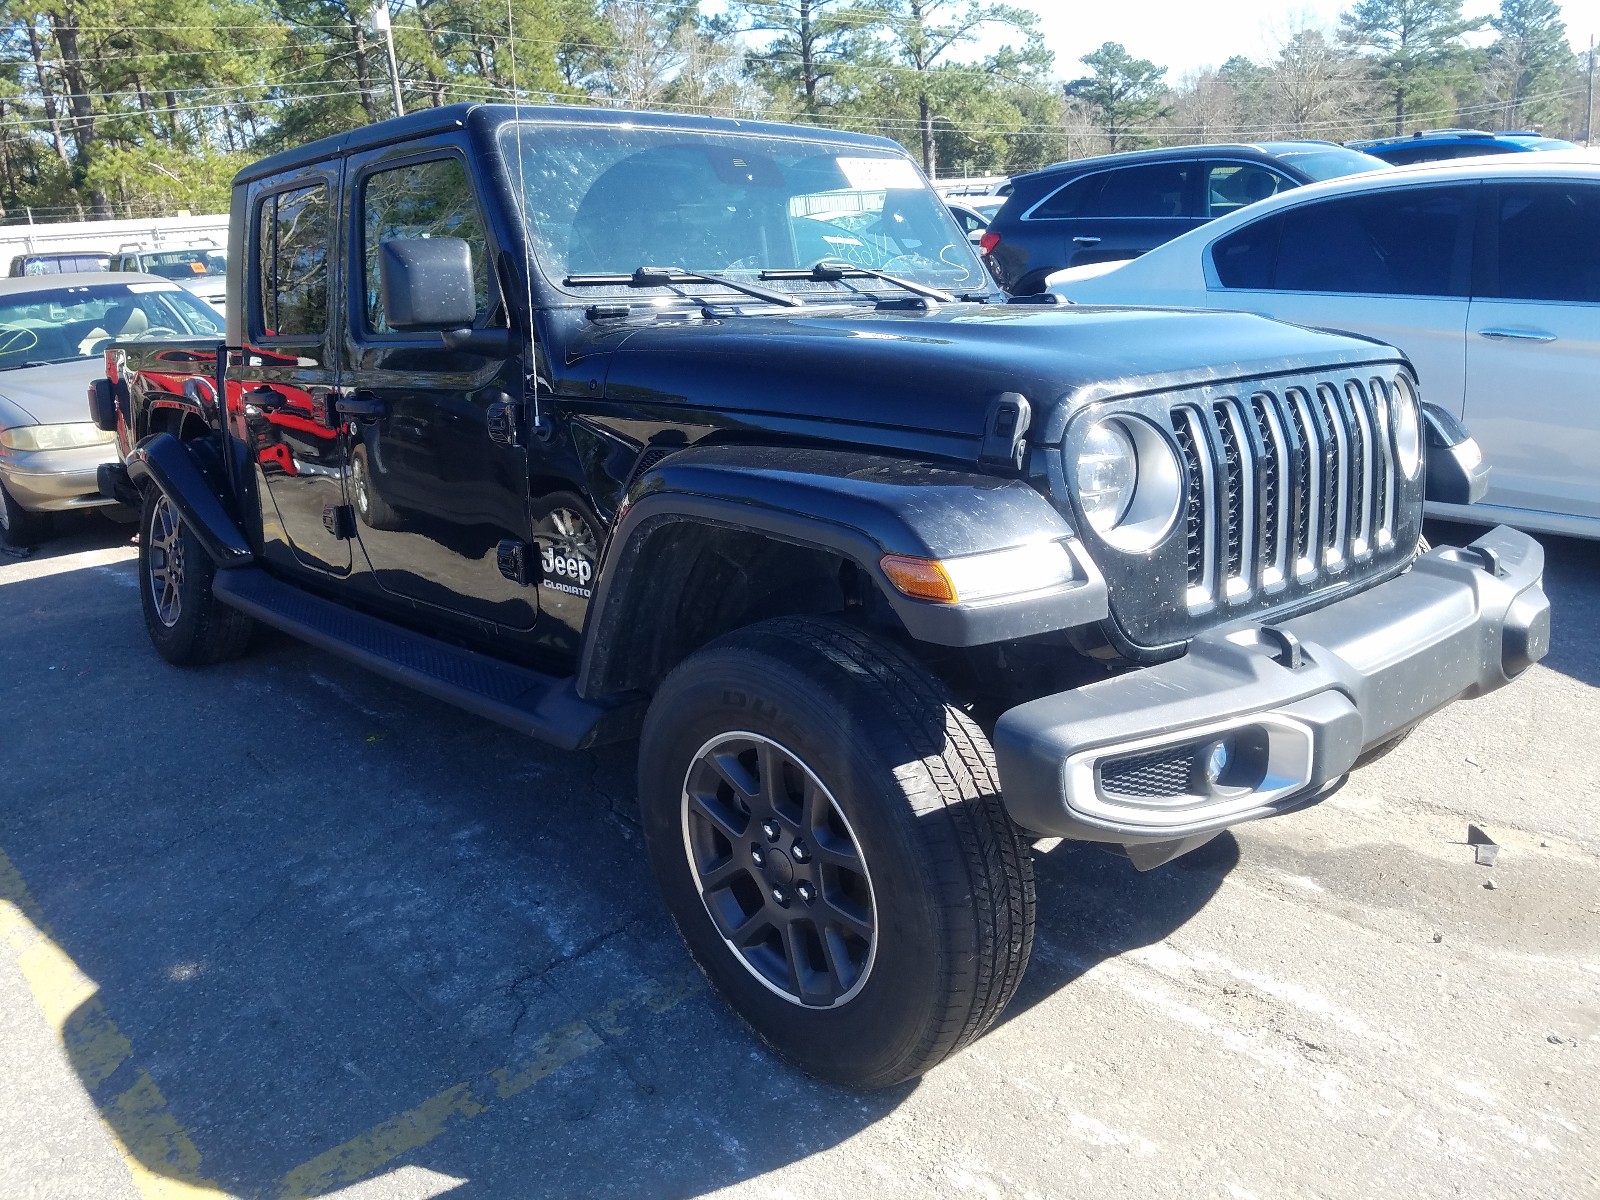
(1533, 342)
(436, 481)
(286, 373)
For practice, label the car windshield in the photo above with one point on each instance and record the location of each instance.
(185, 264)
(606, 201)
(1330, 162)
(57, 324)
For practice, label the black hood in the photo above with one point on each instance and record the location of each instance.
(932, 375)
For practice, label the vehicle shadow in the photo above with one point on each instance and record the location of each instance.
(1572, 581)
(334, 928)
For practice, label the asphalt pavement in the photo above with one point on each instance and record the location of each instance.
(281, 929)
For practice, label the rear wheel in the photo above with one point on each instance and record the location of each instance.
(20, 527)
(187, 623)
(827, 830)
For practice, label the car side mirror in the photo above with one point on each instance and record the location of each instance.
(426, 284)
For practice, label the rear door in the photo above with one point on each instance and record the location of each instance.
(1393, 265)
(286, 371)
(1533, 346)
(1118, 213)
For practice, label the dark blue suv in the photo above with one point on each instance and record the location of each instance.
(1121, 205)
(1432, 145)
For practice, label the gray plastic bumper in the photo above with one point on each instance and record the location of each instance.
(1258, 720)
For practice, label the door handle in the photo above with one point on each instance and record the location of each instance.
(1519, 335)
(1086, 241)
(362, 404)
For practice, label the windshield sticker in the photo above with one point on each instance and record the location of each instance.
(872, 174)
(153, 287)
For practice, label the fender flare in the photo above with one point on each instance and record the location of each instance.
(177, 469)
(858, 507)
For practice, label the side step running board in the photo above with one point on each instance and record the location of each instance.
(542, 706)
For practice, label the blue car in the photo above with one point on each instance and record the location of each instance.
(1431, 145)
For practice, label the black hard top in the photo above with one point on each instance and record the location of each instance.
(456, 116)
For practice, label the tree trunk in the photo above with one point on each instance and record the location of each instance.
(363, 70)
(83, 125)
(1400, 111)
(808, 56)
(49, 95)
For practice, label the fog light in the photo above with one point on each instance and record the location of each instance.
(1214, 760)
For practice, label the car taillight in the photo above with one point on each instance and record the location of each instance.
(988, 241)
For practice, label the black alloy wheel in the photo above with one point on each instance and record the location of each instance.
(187, 624)
(371, 507)
(779, 870)
(826, 828)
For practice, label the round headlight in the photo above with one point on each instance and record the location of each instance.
(1404, 420)
(1107, 472)
(1130, 483)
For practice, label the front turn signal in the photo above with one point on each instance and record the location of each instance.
(919, 578)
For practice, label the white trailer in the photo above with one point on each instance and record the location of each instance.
(145, 233)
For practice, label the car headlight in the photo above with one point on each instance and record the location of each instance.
(1106, 472)
(1407, 426)
(1129, 482)
(54, 437)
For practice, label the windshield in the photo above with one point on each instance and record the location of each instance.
(185, 264)
(605, 201)
(1330, 162)
(57, 324)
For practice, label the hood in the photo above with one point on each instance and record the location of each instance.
(50, 395)
(936, 373)
(210, 288)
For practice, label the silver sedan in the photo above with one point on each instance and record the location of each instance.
(53, 331)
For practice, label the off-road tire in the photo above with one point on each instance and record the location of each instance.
(21, 527)
(201, 630)
(915, 779)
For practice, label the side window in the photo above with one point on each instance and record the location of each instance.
(1548, 246)
(1070, 199)
(1154, 190)
(292, 231)
(1406, 242)
(421, 200)
(1231, 186)
(1247, 257)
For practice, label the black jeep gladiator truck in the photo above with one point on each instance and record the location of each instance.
(715, 435)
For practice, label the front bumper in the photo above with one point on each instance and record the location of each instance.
(1260, 719)
(56, 480)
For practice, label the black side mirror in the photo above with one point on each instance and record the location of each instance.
(426, 283)
(1457, 473)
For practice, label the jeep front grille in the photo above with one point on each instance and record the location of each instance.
(1284, 486)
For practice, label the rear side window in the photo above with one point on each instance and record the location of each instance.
(1247, 257)
(421, 200)
(292, 231)
(1068, 200)
(1156, 190)
(1231, 186)
(1545, 244)
(1410, 242)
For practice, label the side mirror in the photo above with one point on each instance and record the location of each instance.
(1457, 473)
(426, 284)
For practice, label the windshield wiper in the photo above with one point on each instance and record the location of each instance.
(644, 277)
(828, 271)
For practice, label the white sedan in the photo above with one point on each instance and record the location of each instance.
(1485, 272)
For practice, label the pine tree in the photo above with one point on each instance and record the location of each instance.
(1126, 93)
(1414, 47)
(1529, 61)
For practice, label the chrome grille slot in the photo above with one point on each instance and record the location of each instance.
(1284, 486)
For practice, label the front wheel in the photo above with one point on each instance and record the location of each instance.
(827, 831)
(18, 526)
(187, 624)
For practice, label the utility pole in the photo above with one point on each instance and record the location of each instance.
(1588, 123)
(381, 24)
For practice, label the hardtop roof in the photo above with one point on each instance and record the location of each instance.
(457, 116)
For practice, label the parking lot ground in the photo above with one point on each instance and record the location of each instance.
(279, 929)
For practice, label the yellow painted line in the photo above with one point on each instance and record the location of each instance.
(370, 1152)
(161, 1157)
